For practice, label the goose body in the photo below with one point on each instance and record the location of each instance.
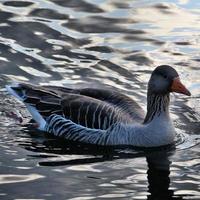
(104, 117)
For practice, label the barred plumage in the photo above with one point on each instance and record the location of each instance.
(59, 126)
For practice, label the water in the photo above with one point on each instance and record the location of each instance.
(84, 43)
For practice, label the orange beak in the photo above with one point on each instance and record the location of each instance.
(178, 87)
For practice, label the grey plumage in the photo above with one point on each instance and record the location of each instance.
(59, 126)
(105, 117)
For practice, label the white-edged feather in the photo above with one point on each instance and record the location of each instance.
(12, 92)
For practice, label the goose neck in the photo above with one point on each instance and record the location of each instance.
(157, 105)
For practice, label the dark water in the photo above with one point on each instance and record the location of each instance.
(80, 43)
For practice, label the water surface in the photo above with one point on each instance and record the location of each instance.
(97, 43)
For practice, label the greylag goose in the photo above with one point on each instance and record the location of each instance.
(102, 116)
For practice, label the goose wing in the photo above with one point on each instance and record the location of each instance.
(92, 108)
(112, 97)
(91, 112)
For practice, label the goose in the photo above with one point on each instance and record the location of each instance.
(103, 116)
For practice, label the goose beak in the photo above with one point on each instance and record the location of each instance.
(178, 87)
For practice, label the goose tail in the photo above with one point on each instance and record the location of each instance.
(18, 91)
(15, 90)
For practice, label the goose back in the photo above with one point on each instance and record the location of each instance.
(112, 97)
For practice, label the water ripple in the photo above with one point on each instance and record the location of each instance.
(12, 178)
(98, 43)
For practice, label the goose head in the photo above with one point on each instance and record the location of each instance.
(165, 79)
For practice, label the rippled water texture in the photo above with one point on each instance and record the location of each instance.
(97, 42)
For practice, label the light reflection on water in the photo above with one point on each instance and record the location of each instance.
(84, 43)
(8, 178)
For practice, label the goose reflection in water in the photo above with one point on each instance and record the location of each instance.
(158, 160)
(158, 176)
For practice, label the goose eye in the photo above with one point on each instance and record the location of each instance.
(165, 76)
